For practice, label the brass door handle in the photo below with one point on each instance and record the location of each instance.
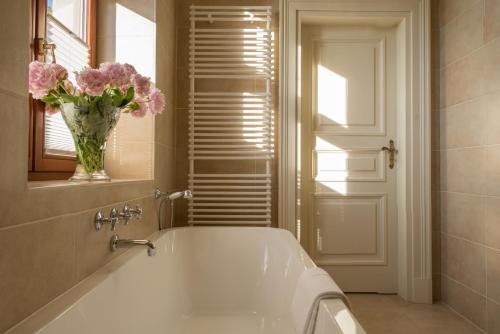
(392, 153)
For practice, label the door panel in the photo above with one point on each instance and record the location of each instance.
(349, 165)
(349, 94)
(348, 114)
(350, 230)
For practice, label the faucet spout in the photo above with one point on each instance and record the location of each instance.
(116, 243)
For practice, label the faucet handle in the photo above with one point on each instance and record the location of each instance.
(126, 214)
(100, 220)
(137, 212)
(113, 218)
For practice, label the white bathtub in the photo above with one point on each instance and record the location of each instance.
(202, 280)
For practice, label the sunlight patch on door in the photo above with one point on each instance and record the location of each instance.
(332, 93)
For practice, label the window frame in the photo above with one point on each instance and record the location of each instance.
(44, 166)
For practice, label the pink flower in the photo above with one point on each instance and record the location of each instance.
(41, 79)
(142, 111)
(51, 110)
(130, 70)
(59, 72)
(142, 85)
(92, 81)
(157, 103)
(116, 73)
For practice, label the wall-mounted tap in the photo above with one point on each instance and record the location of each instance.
(100, 220)
(115, 217)
(116, 243)
(127, 213)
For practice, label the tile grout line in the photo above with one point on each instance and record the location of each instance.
(471, 241)
(445, 149)
(469, 100)
(44, 220)
(469, 288)
(464, 318)
(485, 44)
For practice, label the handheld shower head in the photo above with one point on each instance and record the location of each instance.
(173, 196)
(179, 194)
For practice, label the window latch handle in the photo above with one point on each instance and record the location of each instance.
(44, 46)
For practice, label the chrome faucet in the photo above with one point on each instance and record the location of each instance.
(116, 243)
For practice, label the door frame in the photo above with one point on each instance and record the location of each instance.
(414, 159)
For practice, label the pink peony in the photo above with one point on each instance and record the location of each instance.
(142, 111)
(41, 79)
(51, 110)
(92, 81)
(116, 73)
(59, 72)
(142, 85)
(130, 70)
(157, 103)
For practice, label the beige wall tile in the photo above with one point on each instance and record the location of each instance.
(493, 275)
(459, 81)
(37, 263)
(492, 216)
(451, 9)
(463, 170)
(463, 125)
(493, 318)
(463, 215)
(492, 170)
(465, 301)
(464, 262)
(491, 21)
(15, 40)
(490, 104)
(462, 35)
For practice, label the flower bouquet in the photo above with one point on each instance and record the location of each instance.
(92, 107)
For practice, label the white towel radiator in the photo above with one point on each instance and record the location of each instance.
(230, 115)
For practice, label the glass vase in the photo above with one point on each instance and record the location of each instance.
(90, 125)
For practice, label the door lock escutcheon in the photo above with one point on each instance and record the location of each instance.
(392, 153)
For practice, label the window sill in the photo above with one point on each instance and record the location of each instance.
(66, 183)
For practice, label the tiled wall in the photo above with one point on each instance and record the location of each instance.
(47, 241)
(467, 157)
(182, 107)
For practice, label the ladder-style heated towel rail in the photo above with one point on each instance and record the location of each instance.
(230, 115)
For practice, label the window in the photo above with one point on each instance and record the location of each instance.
(70, 26)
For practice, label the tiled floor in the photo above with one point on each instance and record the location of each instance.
(389, 314)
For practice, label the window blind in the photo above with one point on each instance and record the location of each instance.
(72, 53)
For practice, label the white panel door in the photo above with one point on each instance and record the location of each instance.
(348, 203)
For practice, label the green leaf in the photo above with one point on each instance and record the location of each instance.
(133, 106)
(117, 97)
(69, 98)
(128, 97)
(49, 99)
